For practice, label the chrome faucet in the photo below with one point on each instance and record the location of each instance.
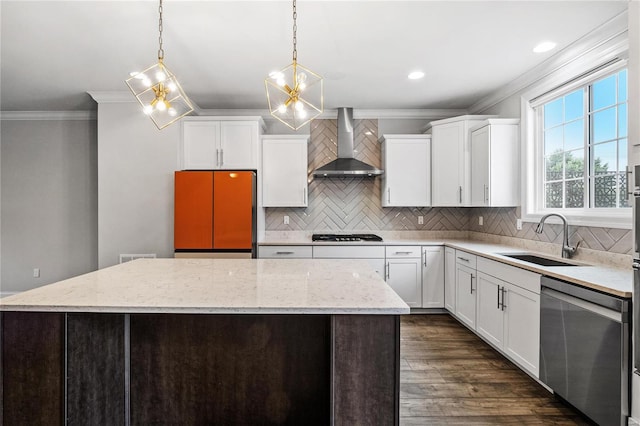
(567, 250)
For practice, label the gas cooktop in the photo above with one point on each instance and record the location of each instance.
(345, 237)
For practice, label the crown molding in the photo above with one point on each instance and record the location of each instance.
(422, 114)
(112, 97)
(598, 46)
(47, 115)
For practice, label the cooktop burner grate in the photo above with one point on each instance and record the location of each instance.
(346, 237)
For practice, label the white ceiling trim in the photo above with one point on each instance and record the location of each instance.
(599, 46)
(48, 115)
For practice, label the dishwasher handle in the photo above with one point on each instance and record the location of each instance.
(584, 304)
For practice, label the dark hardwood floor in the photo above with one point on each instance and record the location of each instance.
(449, 376)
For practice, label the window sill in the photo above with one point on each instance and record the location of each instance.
(599, 219)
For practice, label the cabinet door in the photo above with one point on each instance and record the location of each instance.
(447, 151)
(490, 317)
(238, 145)
(377, 265)
(466, 295)
(200, 140)
(404, 277)
(522, 327)
(450, 280)
(480, 166)
(284, 173)
(407, 177)
(433, 277)
(193, 210)
(233, 210)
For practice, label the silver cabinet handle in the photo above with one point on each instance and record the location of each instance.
(424, 253)
(388, 272)
(462, 258)
(460, 191)
(388, 195)
(304, 195)
(284, 252)
(402, 252)
(504, 293)
(221, 157)
(471, 283)
(498, 292)
(218, 157)
(486, 194)
(629, 174)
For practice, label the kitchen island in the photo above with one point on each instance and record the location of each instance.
(205, 341)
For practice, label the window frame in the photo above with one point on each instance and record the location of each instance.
(533, 156)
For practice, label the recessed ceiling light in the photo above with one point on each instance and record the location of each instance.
(545, 46)
(415, 75)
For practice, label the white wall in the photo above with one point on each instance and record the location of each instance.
(136, 162)
(49, 201)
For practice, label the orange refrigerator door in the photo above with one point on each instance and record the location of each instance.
(193, 227)
(233, 209)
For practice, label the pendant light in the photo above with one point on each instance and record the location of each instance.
(158, 90)
(294, 93)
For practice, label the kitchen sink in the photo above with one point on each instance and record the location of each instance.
(538, 260)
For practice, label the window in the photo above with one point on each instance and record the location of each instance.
(583, 136)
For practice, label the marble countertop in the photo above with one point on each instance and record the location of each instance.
(618, 282)
(219, 286)
(614, 281)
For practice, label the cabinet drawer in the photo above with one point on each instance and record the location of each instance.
(285, 252)
(348, 252)
(520, 277)
(466, 259)
(394, 252)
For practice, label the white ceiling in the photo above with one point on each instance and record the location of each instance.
(53, 52)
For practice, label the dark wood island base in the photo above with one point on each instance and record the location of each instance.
(199, 369)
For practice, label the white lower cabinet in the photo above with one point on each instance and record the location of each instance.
(490, 321)
(374, 255)
(433, 277)
(508, 312)
(466, 288)
(404, 273)
(450, 279)
(522, 328)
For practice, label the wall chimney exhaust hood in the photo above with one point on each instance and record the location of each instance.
(345, 165)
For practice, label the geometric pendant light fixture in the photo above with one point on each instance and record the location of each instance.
(295, 93)
(158, 90)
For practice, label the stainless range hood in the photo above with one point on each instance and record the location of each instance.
(345, 165)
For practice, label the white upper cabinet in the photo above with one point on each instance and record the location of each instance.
(210, 143)
(451, 157)
(495, 163)
(406, 160)
(284, 171)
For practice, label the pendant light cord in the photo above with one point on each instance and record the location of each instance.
(160, 49)
(295, 30)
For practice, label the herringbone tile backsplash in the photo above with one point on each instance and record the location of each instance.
(353, 204)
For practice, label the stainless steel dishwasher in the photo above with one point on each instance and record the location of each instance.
(585, 349)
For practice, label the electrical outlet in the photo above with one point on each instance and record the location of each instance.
(519, 224)
(286, 220)
(480, 220)
(36, 272)
(420, 220)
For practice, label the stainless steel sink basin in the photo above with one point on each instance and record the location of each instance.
(538, 260)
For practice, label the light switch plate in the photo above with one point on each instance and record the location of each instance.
(36, 272)
(480, 220)
(420, 220)
(519, 224)
(286, 220)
